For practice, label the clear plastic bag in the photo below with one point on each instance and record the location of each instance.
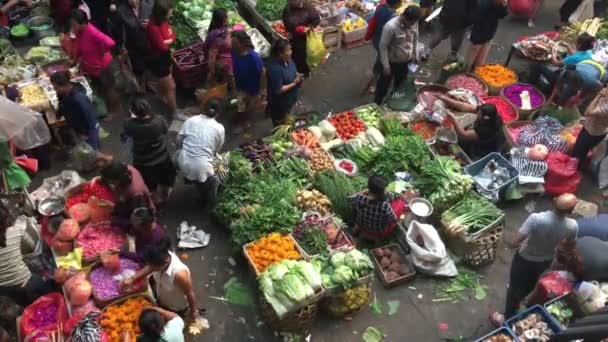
(83, 156)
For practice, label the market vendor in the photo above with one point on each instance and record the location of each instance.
(376, 216)
(537, 240)
(147, 231)
(595, 128)
(16, 280)
(486, 136)
(578, 83)
(79, 112)
(299, 17)
(129, 189)
(172, 278)
(199, 140)
(5, 9)
(157, 324)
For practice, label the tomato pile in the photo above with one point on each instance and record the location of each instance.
(348, 167)
(88, 190)
(347, 125)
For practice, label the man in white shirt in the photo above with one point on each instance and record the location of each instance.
(200, 139)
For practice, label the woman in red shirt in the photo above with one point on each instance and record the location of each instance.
(161, 36)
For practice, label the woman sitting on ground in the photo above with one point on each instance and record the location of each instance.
(375, 214)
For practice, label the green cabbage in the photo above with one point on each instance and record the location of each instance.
(326, 279)
(338, 259)
(277, 271)
(309, 273)
(358, 261)
(343, 275)
(293, 288)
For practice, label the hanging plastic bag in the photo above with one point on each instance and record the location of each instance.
(84, 157)
(315, 49)
(562, 174)
(551, 285)
(429, 252)
(583, 12)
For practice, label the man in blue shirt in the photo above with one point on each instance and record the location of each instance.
(596, 227)
(78, 110)
(283, 82)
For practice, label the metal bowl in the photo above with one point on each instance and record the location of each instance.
(417, 203)
(41, 26)
(51, 206)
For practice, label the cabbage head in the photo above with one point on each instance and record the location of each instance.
(343, 275)
(358, 261)
(337, 259)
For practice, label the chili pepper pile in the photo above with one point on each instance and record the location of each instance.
(88, 190)
(505, 111)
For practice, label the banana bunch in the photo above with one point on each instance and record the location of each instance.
(590, 26)
(350, 25)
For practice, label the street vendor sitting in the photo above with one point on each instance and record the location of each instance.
(172, 279)
(375, 215)
(157, 324)
(486, 136)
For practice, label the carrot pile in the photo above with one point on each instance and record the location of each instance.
(305, 138)
(496, 75)
(123, 317)
(347, 125)
(270, 249)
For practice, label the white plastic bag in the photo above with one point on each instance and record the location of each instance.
(432, 258)
(583, 12)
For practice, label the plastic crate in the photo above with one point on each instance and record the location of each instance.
(536, 309)
(189, 76)
(502, 330)
(354, 35)
(476, 167)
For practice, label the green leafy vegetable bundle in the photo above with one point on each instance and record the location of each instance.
(471, 214)
(343, 268)
(442, 182)
(406, 152)
(271, 10)
(338, 188)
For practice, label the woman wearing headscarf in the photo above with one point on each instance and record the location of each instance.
(299, 17)
(217, 48)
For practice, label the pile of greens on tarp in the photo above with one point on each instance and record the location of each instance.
(288, 284)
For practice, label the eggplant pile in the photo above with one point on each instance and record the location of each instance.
(257, 152)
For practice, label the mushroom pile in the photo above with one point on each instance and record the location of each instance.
(533, 328)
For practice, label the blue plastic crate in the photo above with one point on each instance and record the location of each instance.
(551, 322)
(502, 330)
(476, 168)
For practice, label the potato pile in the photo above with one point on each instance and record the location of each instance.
(393, 267)
(313, 200)
(31, 94)
(499, 338)
(320, 161)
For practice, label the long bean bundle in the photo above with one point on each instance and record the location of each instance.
(470, 215)
(338, 188)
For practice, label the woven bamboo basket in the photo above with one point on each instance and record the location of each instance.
(513, 124)
(482, 251)
(471, 75)
(524, 114)
(296, 321)
(336, 299)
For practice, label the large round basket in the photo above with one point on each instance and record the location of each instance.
(296, 321)
(524, 114)
(339, 302)
(473, 76)
(511, 126)
(492, 90)
(430, 87)
(565, 116)
(482, 251)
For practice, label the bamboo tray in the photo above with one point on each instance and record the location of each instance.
(252, 264)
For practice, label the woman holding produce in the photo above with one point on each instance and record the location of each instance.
(485, 23)
(486, 136)
(249, 77)
(217, 47)
(172, 279)
(283, 82)
(375, 215)
(157, 324)
(299, 17)
(160, 37)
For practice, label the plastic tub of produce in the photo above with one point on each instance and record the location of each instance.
(41, 26)
(502, 334)
(393, 268)
(535, 320)
(475, 168)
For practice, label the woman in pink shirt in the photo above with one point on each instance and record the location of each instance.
(92, 51)
(160, 37)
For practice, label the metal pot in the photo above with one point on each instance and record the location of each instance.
(36, 26)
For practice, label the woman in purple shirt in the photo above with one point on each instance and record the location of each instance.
(146, 230)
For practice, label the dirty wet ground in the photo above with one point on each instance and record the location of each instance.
(338, 86)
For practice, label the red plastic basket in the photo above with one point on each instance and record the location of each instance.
(189, 69)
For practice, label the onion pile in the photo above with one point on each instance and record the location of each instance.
(106, 284)
(96, 240)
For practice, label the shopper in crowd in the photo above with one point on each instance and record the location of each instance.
(484, 25)
(78, 110)
(146, 230)
(299, 17)
(129, 189)
(596, 227)
(398, 47)
(161, 37)
(157, 324)
(16, 280)
(6, 7)
(284, 82)
(172, 279)
(200, 139)
(525, 9)
(537, 240)
(426, 8)
(93, 53)
(566, 10)
(382, 15)
(595, 128)
(455, 18)
(217, 47)
(249, 78)
(148, 134)
(486, 135)
(133, 16)
(61, 10)
(375, 214)
(586, 258)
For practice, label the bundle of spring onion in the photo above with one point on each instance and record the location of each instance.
(442, 182)
(470, 215)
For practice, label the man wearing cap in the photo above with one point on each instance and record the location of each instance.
(537, 241)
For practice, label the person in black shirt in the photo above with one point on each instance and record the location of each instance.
(283, 82)
(455, 18)
(132, 17)
(150, 154)
(78, 110)
(485, 23)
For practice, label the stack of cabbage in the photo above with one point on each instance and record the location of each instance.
(343, 268)
(288, 284)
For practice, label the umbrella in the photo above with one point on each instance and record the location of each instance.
(22, 126)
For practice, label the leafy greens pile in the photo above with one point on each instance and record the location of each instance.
(343, 268)
(471, 214)
(271, 10)
(401, 152)
(338, 188)
(442, 182)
